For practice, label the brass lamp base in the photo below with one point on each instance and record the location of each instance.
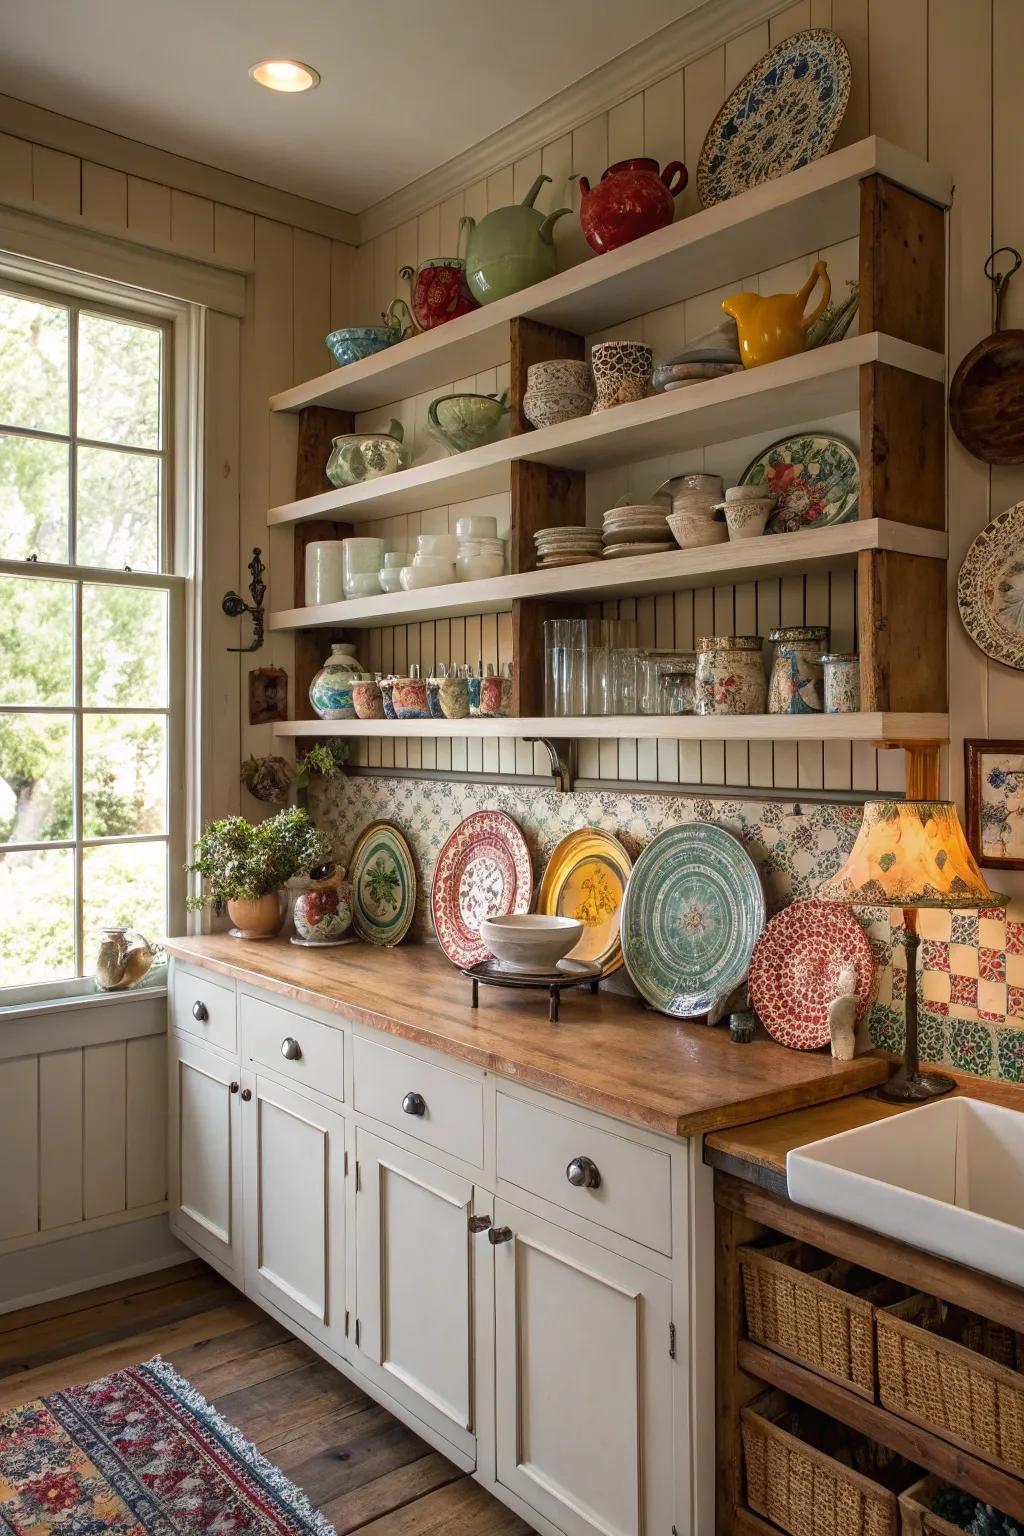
(915, 1087)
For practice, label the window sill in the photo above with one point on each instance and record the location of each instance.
(14, 1012)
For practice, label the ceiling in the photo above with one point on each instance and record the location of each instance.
(406, 84)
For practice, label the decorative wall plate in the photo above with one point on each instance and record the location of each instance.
(784, 113)
(586, 879)
(794, 970)
(693, 909)
(814, 478)
(990, 588)
(383, 879)
(482, 871)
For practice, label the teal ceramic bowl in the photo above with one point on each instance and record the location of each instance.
(358, 341)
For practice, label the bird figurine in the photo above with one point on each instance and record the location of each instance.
(842, 1016)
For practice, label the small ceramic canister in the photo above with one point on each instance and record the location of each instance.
(622, 372)
(386, 686)
(730, 676)
(323, 912)
(433, 692)
(367, 698)
(496, 693)
(746, 516)
(324, 578)
(453, 695)
(409, 697)
(795, 687)
(842, 684)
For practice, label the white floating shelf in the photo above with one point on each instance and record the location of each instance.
(870, 727)
(748, 560)
(816, 384)
(771, 224)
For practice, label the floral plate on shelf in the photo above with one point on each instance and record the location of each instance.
(482, 871)
(586, 879)
(693, 909)
(383, 880)
(794, 971)
(785, 112)
(815, 479)
(990, 588)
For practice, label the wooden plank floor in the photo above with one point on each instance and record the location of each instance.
(363, 1468)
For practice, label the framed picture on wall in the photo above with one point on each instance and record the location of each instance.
(995, 802)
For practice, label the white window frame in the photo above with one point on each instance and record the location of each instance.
(184, 332)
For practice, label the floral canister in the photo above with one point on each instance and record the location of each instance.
(842, 684)
(409, 697)
(330, 692)
(386, 686)
(367, 697)
(496, 693)
(323, 911)
(453, 695)
(796, 683)
(730, 676)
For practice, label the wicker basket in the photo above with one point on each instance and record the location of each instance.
(813, 1477)
(816, 1310)
(932, 1369)
(917, 1517)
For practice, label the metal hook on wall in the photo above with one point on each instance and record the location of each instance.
(234, 606)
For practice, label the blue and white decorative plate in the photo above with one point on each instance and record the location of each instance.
(990, 588)
(693, 909)
(783, 114)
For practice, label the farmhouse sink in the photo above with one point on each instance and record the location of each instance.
(947, 1177)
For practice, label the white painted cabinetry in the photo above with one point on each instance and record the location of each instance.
(205, 1153)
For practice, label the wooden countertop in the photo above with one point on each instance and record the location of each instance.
(607, 1051)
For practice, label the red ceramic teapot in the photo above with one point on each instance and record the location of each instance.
(438, 291)
(630, 200)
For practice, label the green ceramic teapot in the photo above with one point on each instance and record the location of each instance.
(511, 248)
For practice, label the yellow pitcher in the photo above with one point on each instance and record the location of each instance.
(775, 326)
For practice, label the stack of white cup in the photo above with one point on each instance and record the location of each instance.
(479, 552)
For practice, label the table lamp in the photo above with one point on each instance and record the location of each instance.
(910, 854)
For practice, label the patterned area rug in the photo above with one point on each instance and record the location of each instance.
(140, 1453)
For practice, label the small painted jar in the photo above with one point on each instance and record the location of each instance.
(842, 684)
(330, 692)
(796, 683)
(323, 912)
(386, 686)
(730, 676)
(366, 697)
(453, 696)
(409, 697)
(473, 685)
(622, 372)
(496, 694)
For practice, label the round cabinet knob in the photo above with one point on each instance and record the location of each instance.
(233, 1087)
(246, 1094)
(414, 1104)
(583, 1172)
(200, 1012)
(479, 1223)
(291, 1050)
(498, 1235)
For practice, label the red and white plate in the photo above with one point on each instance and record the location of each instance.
(794, 971)
(482, 871)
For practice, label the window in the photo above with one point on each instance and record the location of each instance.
(91, 623)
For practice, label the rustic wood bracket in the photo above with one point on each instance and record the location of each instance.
(562, 755)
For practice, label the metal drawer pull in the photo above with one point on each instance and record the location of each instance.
(200, 1012)
(414, 1104)
(498, 1235)
(233, 1087)
(583, 1172)
(291, 1050)
(479, 1223)
(246, 1094)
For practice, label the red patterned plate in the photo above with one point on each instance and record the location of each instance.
(482, 871)
(794, 970)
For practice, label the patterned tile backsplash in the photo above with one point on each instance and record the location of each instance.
(971, 983)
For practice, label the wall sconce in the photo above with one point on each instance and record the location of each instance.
(234, 606)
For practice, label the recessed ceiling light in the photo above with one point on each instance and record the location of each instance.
(285, 75)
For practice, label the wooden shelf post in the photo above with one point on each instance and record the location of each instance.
(318, 425)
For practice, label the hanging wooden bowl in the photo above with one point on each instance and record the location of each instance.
(986, 397)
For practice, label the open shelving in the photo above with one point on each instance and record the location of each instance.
(868, 725)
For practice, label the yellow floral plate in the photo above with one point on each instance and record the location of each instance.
(586, 879)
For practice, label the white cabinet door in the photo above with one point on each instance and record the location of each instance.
(583, 1381)
(205, 1152)
(294, 1156)
(417, 1262)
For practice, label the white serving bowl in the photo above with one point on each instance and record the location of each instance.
(479, 567)
(441, 545)
(747, 519)
(530, 941)
(476, 526)
(436, 573)
(390, 579)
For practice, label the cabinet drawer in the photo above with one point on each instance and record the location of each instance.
(267, 1030)
(634, 1195)
(204, 1008)
(451, 1114)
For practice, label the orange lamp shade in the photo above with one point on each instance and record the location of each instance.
(910, 853)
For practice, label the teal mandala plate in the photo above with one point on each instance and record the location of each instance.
(383, 880)
(692, 912)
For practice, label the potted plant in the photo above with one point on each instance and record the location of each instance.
(243, 867)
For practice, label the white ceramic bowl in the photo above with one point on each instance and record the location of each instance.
(440, 564)
(476, 527)
(695, 504)
(390, 579)
(695, 532)
(479, 567)
(531, 941)
(747, 519)
(748, 493)
(436, 573)
(442, 545)
(363, 584)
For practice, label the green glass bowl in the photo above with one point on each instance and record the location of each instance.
(467, 421)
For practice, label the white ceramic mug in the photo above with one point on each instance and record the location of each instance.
(324, 572)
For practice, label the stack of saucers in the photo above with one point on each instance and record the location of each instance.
(567, 546)
(636, 530)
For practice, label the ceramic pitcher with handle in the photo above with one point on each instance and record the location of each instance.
(772, 326)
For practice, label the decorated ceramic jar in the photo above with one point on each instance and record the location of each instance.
(496, 694)
(796, 683)
(409, 697)
(453, 696)
(730, 676)
(367, 698)
(330, 692)
(323, 911)
(558, 390)
(622, 372)
(631, 199)
(842, 684)
(438, 291)
(386, 686)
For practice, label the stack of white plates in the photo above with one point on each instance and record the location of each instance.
(636, 530)
(567, 546)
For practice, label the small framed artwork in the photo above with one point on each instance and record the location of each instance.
(995, 802)
(268, 695)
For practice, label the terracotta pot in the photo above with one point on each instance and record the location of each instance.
(256, 919)
(630, 200)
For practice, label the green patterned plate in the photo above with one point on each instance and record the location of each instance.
(693, 909)
(814, 477)
(383, 880)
